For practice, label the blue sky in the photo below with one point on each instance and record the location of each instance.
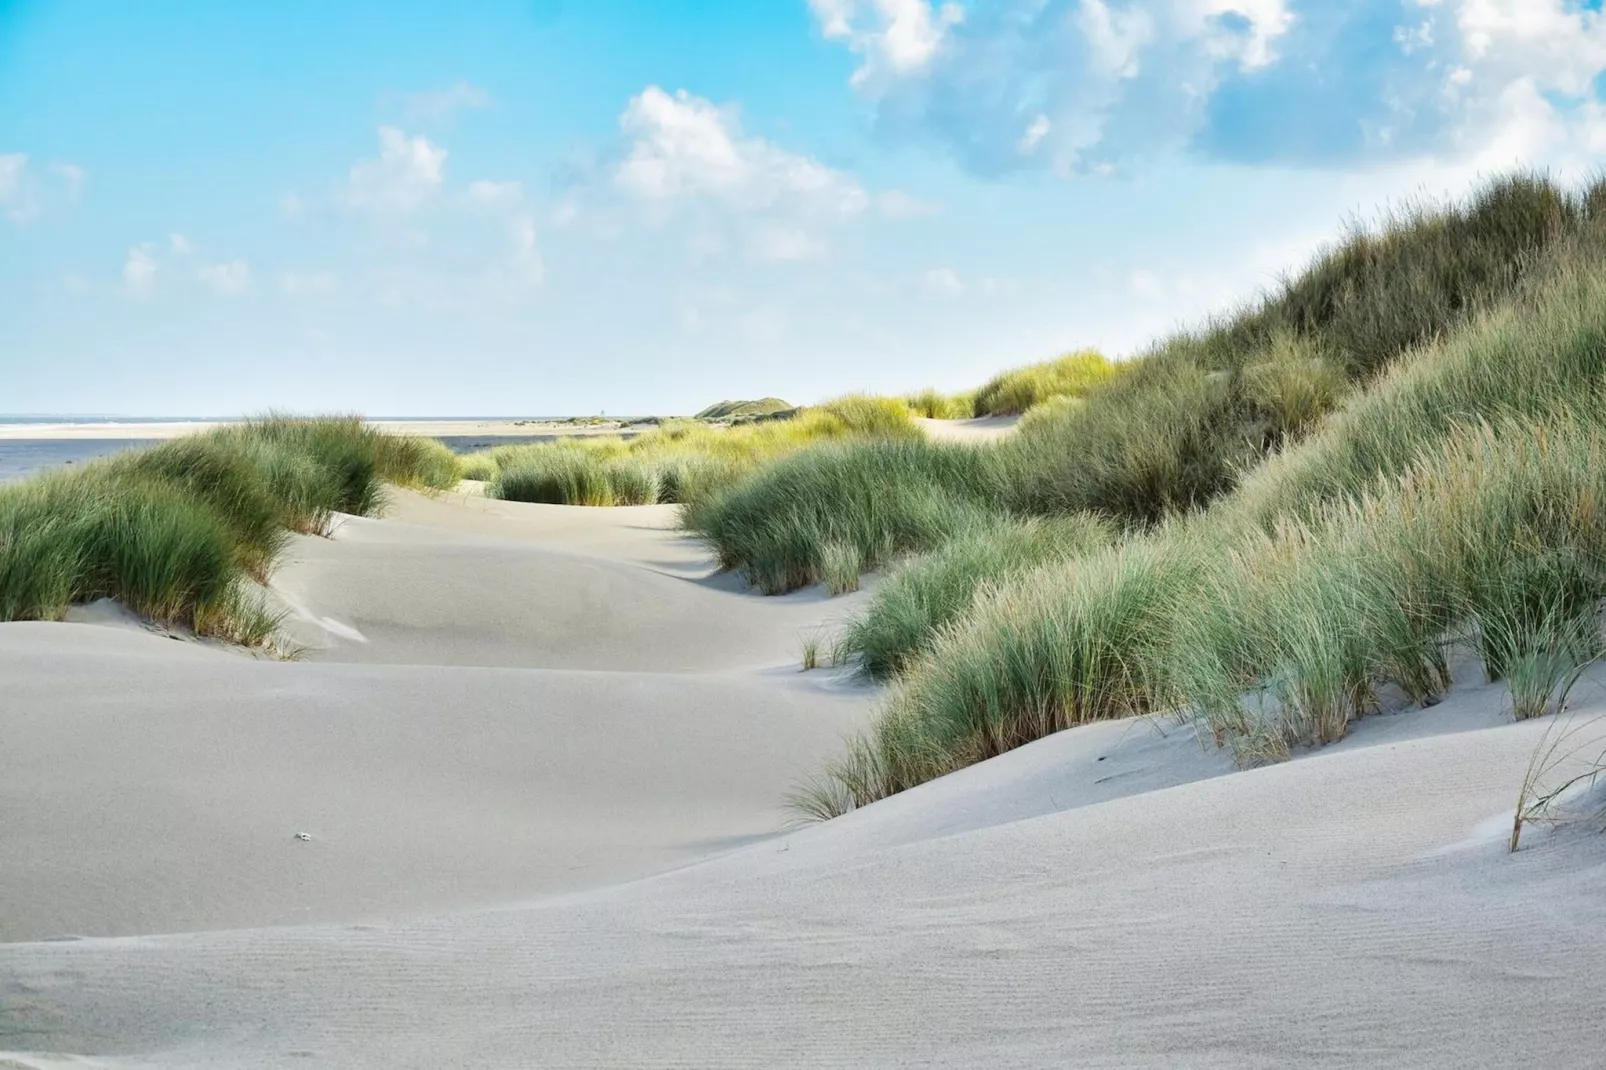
(556, 206)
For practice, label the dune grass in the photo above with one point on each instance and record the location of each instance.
(1015, 391)
(831, 512)
(922, 595)
(1321, 498)
(179, 532)
(680, 462)
(1182, 424)
(937, 406)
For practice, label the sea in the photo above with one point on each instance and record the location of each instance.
(23, 457)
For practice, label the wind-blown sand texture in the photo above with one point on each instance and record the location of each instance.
(540, 751)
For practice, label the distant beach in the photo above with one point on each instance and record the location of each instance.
(32, 444)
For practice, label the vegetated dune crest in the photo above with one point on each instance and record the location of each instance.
(1112, 895)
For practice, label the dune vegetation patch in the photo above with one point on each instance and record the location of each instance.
(737, 410)
(1395, 454)
(933, 405)
(181, 533)
(1015, 391)
(680, 461)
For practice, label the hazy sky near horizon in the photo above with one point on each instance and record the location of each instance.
(566, 206)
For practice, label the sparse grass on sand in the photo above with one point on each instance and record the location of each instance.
(1284, 560)
(178, 532)
(679, 462)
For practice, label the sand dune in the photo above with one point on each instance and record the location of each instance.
(979, 429)
(546, 703)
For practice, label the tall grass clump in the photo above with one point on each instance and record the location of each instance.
(1017, 390)
(935, 406)
(178, 532)
(1068, 643)
(854, 504)
(912, 604)
(1495, 538)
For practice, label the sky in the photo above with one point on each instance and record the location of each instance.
(644, 206)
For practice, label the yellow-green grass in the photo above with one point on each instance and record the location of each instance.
(679, 462)
(1019, 389)
(937, 406)
(179, 532)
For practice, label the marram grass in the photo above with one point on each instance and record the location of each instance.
(180, 532)
(1397, 455)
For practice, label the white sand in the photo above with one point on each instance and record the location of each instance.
(979, 429)
(1115, 895)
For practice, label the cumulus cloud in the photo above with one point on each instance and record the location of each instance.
(230, 278)
(1092, 86)
(684, 155)
(406, 173)
(683, 146)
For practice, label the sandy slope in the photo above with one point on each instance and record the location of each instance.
(979, 429)
(1112, 896)
(443, 742)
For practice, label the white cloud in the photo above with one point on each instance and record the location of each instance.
(1094, 86)
(943, 282)
(291, 206)
(139, 270)
(406, 173)
(307, 284)
(684, 146)
(683, 156)
(895, 37)
(438, 104)
(180, 245)
(229, 279)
